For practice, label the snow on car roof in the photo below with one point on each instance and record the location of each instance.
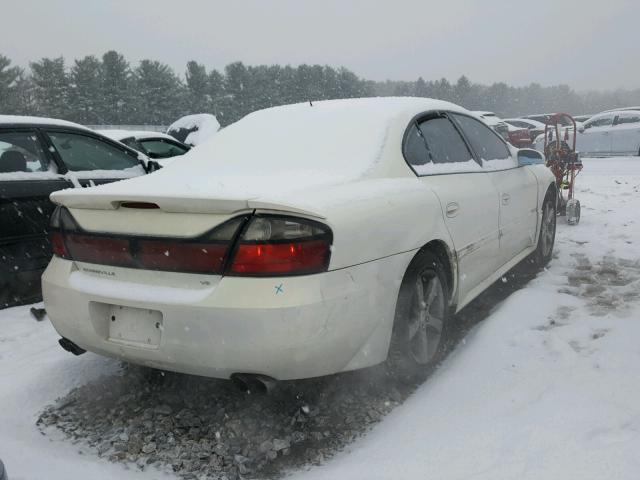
(204, 125)
(622, 109)
(137, 134)
(279, 149)
(21, 119)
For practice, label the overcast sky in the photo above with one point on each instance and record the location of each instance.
(586, 44)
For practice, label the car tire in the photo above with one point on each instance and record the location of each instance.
(420, 330)
(546, 238)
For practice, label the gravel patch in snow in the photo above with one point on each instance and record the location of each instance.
(200, 427)
(208, 428)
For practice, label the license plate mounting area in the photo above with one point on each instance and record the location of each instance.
(139, 327)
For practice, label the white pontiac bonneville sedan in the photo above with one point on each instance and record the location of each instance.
(301, 241)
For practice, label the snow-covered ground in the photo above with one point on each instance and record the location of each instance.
(547, 386)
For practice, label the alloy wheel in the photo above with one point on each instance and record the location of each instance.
(427, 318)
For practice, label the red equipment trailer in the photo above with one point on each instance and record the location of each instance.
(564, 162)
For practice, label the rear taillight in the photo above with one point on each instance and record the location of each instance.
(61, 221)
(274, 245)
(205, 254)
(261, 245)
(57, 244)
(90, 248)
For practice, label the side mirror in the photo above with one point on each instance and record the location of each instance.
(528, 156)
(582, 128)
(154, 166)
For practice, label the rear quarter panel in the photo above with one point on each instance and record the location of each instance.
(545, 180)
(378, 218)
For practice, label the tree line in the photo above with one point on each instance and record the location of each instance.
(109, 90)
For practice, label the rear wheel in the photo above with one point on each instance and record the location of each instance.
(547, 236)
(420, 327)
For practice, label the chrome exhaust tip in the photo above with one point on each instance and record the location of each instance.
(253, 382)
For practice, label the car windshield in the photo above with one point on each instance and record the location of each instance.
(315, 240)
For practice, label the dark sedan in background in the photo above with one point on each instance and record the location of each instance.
(39, 156)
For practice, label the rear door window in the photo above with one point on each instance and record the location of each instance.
(486, 143)
(627, 118)
(83, 153)
(21, 152)
(435, 146)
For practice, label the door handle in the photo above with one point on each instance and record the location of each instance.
(506, 198)
(452, 209)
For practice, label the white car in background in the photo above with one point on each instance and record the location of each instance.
(301, 241)
(612, 133)
(155, 145)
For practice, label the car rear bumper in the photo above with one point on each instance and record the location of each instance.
(286, 328)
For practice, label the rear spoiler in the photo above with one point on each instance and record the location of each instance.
(174, 204)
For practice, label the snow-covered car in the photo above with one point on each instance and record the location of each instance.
(611, 133)
(516, 136)
(156, 145)
(194, 129)
(344, 233)
(39, 156)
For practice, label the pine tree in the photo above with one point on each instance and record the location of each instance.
(86, 81)
(198, 99)
(421, 88)
(215, 91)
(51, 87)
(25, 97)
(442, 90)
(159, 93)
(462, 94)
(235, 100)
(8, 78)
(115, 95)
